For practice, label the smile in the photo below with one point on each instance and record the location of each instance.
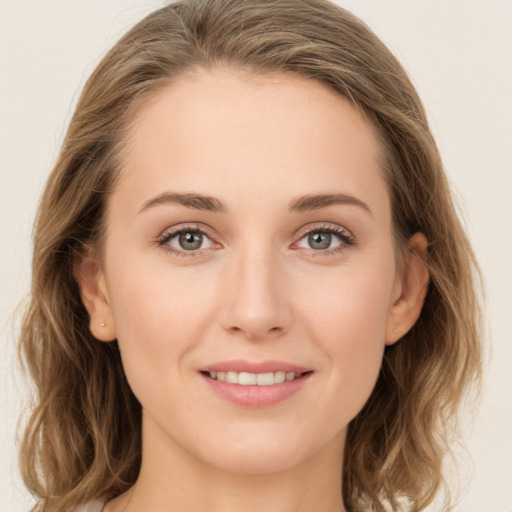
(255, 379)
(255, 384)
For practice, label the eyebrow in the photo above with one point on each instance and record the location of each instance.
(316, 202)
(196, 201)
(212, 204)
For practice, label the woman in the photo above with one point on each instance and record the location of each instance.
(250, 288)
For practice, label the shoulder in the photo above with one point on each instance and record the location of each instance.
(92, 506)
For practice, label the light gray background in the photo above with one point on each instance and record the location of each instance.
(458, 55)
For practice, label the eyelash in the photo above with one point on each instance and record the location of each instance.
(169, 235)
(346, 238)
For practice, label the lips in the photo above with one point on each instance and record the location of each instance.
(255, 384)
(269, 366)
(256, 379)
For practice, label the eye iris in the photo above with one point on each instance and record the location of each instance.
(190, 240)
(319, 240)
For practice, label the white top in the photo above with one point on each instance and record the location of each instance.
(92, 506)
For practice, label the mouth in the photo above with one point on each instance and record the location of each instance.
(256, 384)
(255, 379)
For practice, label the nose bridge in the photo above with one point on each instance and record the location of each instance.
(257, 304)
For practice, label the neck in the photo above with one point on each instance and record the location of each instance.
(171, 480)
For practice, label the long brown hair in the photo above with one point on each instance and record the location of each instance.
(83, 439)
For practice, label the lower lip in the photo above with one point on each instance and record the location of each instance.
(256, 396)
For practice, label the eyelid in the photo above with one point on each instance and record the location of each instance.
(346, 237)
(326, 226)
(173, 231)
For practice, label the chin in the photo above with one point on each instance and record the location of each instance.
(257, 461)
(260, 453)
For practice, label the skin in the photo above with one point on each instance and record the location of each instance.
(256, 290)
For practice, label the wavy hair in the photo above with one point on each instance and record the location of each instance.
(83, 438)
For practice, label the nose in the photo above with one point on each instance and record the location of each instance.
(257, 305)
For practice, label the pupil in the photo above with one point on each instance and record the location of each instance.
(319, 240)
(190, 240)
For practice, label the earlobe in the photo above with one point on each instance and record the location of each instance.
(93, 292)
(411, 291)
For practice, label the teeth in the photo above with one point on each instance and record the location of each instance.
(265, 379)
(232, 377)
(279, 377)
(247, 379)
(251, 379)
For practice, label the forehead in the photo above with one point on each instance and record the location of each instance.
(221, 130)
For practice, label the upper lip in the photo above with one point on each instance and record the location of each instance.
(241, 365)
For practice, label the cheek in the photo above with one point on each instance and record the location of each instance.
(159, 318)
(347, 317)
(349, 303)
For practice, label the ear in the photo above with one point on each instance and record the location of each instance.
(409, 291)
(93, 292)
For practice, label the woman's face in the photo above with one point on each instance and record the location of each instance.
(250, 232)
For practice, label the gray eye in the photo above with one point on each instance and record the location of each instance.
(190, 240)
(319, 240)
(187, 240)
(322, 239)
